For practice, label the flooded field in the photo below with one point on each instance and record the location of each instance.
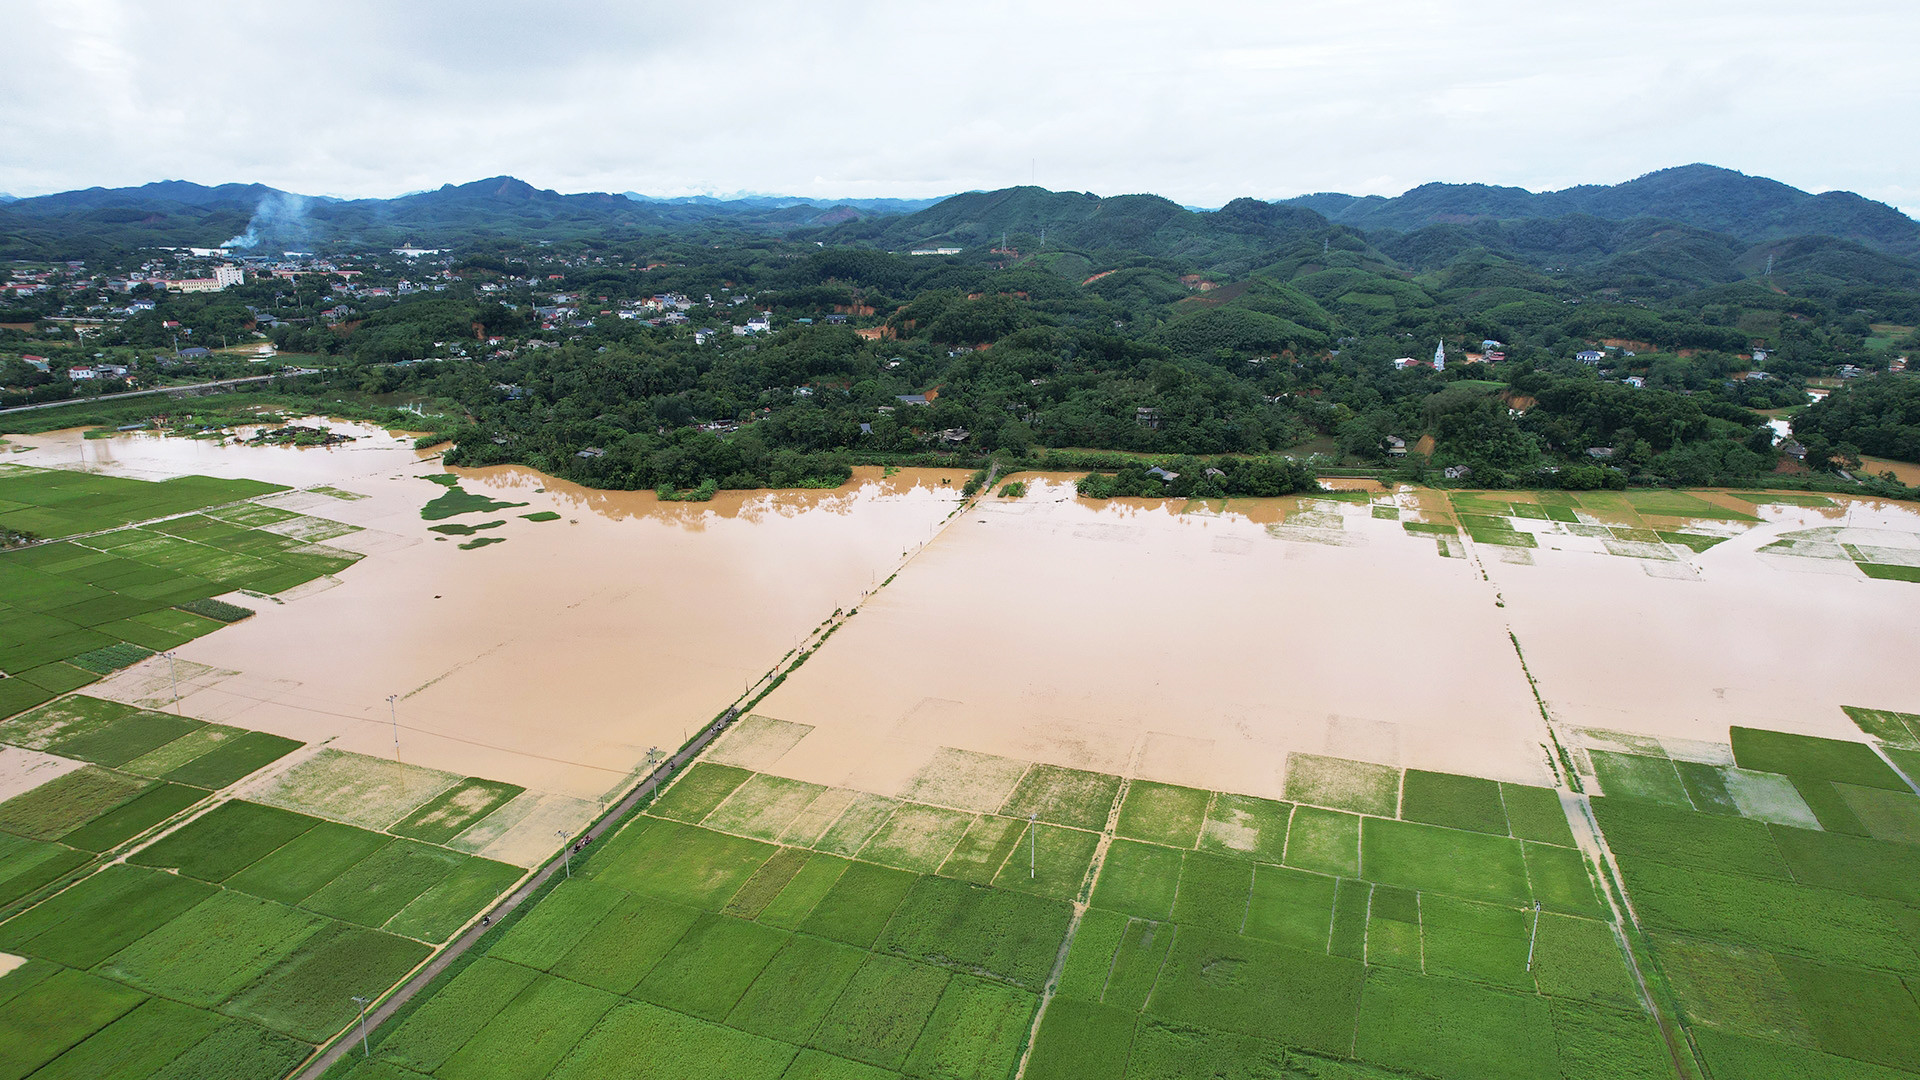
(1203, 644)
(553, 660)
(1190, 647)
(1069, 761)
(552, 637)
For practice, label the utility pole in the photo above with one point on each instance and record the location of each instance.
(173, 674)
(365, 1050)
(566, 851)
(1033, 844)
(393, 714)
(1534, 936)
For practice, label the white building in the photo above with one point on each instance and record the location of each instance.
(1440, 356)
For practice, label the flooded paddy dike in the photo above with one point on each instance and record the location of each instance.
(1387, 783)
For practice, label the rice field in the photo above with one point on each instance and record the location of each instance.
(231, 936)
(983, 918)
(1402, 925)
(99, 596)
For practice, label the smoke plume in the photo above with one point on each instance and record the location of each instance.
(280, 216)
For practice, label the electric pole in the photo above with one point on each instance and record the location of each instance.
(365, 1050)
(393, 715)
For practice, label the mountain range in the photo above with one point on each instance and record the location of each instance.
(1747, 207)
(1695, 224)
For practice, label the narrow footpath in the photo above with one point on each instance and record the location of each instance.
(344, 1042)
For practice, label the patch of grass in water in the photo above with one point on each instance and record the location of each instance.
(1693, 542)
(457, 529)
(542, 515)
(1761, 498)
(456, 502)
(482, 541)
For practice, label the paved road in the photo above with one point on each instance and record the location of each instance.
(186, 389)
(349, 1041)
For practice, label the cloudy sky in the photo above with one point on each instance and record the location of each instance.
(1198, 102)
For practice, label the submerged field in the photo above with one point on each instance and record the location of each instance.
(158, 922)
(77, 609)
(1203, 643)
(1287, 788)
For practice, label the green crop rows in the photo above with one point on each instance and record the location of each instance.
(228, 946)
(109, 596)
(1459, 934)
(1224, 931)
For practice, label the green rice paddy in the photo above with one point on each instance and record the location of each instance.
(101, 596)
(227, 947)
(1384, 926)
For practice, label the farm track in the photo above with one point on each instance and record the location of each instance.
(1602, 867)
(1080, 905)
(343, 1041)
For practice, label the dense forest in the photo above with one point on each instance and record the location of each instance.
(1577, 351)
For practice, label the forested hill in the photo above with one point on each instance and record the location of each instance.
(1138, 224)
(501, 209)
(1749, 208)
(1692, 224)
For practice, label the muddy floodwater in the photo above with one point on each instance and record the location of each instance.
(1189, 644)
(1202, 643)
(553, 660)
(1198, 642)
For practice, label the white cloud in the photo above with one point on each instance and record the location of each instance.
(832, 97)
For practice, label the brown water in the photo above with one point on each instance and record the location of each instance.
(150, 456)
(1201, 643)
(1198, 642)
(1184, 643)
(1731, 636)
(555, 659)
(1904, 471)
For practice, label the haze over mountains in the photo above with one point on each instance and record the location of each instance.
(1695, 224)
